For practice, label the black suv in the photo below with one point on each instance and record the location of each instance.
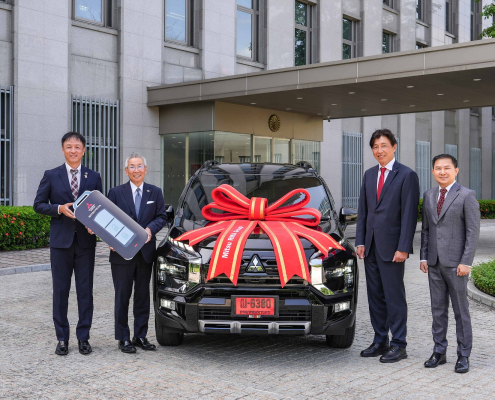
(185, 302)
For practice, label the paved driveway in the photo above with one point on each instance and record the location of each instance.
(230, 367)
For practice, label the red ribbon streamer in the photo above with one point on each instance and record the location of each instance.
(282, 225)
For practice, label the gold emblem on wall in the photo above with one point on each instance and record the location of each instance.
(274, 123)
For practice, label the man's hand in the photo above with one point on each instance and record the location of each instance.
(360, 252)
(90, 231)
(400, 256)
(149, 235)
(424, 267)
(463, 270)
(64, 209)
(111, 248)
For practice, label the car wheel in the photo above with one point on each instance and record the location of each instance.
(167, 338)
(342, 341)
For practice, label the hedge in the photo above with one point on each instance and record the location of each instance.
(487, 209)
(21, 228)
(483, 275)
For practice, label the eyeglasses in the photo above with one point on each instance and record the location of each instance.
(133, 168)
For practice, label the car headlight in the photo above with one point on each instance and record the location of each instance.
(179, 277)
(337, 277)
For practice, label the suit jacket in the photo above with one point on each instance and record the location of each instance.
(391, 220)
(151, 215)
(54, 190)
(452, 236)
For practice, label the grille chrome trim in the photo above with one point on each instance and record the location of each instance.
(273, 328)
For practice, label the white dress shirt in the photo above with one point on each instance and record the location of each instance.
(134, 188)
(387, 171)
(69, 175)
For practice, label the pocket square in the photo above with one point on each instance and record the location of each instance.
(149, 202)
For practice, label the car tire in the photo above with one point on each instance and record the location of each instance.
(165, 338)
(342, 341)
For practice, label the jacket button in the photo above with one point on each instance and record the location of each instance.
(376, 212)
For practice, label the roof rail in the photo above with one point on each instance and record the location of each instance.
(304, 164)
(210, 163)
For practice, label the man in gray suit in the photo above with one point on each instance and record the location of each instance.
(451, 225)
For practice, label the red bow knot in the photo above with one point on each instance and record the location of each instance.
(282, 224)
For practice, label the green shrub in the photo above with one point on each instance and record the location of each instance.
(21, 228)
(483, 275)
(487, 209)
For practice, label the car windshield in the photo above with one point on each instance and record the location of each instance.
(271, 187)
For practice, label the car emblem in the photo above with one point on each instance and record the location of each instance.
(255, 265)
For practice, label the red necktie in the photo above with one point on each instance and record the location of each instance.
(380, 183)
(441, 200)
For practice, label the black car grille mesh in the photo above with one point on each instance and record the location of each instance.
(224, 314)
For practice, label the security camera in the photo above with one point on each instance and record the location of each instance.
(329, 118)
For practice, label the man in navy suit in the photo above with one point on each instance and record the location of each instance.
(72, 247)
(387, 217)
(145, 204)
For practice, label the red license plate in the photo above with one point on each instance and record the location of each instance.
(255, 306)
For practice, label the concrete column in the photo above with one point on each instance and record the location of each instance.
(408, 140)
(6, 78)
(463, 148)
(372, 27)
(141, 41)
(437, 23)
(407, 33)
(41, 70)
(370, 125)
(464, 27)
(218, 38)
(437, 136)
(330, 30)
(486, 153)
(331, 159)
(280, 35)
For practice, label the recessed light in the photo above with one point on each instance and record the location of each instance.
(476, 79)
(300, 98)
(288, 109)
(384, 99)
(363, 109)
(179, 142)
(211, 134)
(465, 101)
(409, 87)
(439, 94)
(318, 114)
(173, 137)
(253, 104)
(412, 105)
(212, 140)
(334, 104)
(352, 92)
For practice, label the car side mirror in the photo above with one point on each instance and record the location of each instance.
(169, 212)
(347, 216)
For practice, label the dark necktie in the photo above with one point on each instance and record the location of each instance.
(74, 187)
(380, 183)
(441, 200)
(137, 201)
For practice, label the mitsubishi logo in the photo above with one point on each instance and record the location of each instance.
(255, 265)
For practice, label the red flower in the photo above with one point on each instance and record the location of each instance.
(4, 216)
(18, 214)
(6, 234)
(22, 223)
(13, 219)
(11, 222)
(20, 233)
(17, 236)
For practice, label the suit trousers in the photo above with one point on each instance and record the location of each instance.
(445, 283)
(137, 272)
(63, 263)
(386, 298)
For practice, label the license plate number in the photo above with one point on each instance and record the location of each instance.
(255, 306)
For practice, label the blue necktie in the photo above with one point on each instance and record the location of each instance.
(137, 201)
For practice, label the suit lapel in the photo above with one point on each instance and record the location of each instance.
(82, 184)
(144, 199)
(374, 177)
(451, 196)
(129, 199)
(391, 176)
(433, 203)
(62, 171)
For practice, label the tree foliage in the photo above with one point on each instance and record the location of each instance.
(488, 13)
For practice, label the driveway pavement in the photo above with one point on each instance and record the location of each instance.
(232, 367)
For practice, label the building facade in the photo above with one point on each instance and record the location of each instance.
(86, 65)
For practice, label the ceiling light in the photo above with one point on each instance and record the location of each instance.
(363, 109)
(465, 101)
(384, 99)
(352, 92)
(173, 137)
(211, 134)
(412, 105)
(300, 98)
(288, 109)
(477, 80)
(179, 142)
(409, 87)
(334, 104)
(439, 94)
(253, 104)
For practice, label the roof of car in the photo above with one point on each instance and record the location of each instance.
(258, 169)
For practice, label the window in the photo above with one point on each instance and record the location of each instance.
(98, 122)
(303, 33)
(352, 168)
(421, 46)
(449, 16)
(6, 136)
(93, 11)
(306, 150)
(349, 36)
(475, 171)
(423, 165)
(387, 43)
(247, 29)
(451, 149)
(389, 3)
(421, 10)
(179, 25)
(476, 23)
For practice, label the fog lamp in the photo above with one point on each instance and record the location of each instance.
(170, 304)
(342, 306)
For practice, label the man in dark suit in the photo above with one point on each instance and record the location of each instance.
(451, 226)
(387, 215)
(145, 204)
(72, 247)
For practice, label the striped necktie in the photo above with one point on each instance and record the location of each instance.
(74, 186)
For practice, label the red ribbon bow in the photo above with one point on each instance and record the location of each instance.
(281, 224)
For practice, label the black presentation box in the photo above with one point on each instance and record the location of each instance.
(110, 223)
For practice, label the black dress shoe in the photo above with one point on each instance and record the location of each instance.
(435, 360)
(393, 355)
(126, 347)
(462, 365)
(143, 343)
(62, 348)
(375, 350)
(84, 347)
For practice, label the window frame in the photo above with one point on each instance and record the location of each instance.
(255, 30)
(106, 20)
(353, 42)
(389, 4)
(390, 42)
(449, 17)
(190, 39)
(309, 32)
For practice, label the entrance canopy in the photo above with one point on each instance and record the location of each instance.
(432, 79)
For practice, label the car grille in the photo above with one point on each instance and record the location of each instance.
(224, 314)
